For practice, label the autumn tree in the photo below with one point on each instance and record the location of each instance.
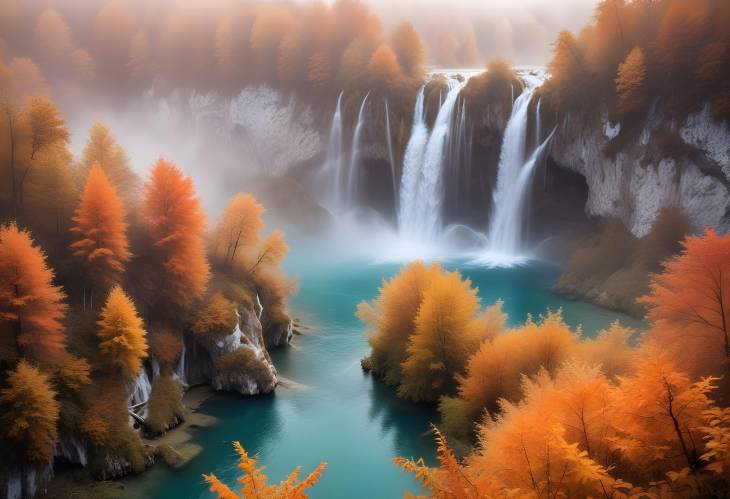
(319, 70)
(542, 445)
(630, 82)
(407, 46)
(689, 304)
(43, 128)
(254, 481)
(567, 70)
(656, 414)
(31, 307)
(495, 370)
(446, 334)
(383, 68)
(272, 251)
(175, 223)
(166, 348)
(238, 227)
(390, 318)
(122, 338)
(29, 414)
(100, 231)
(102, 149)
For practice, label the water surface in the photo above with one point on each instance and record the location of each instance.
(339, 414)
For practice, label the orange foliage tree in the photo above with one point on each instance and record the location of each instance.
(238, 227)
(254, 482)
(630, 81)
(689, 305)
(31, 307)
(100, 230)
(175, 223)
(166, 349)
(408, 47)
(29, 414)
(123, 340)
(383, 68)
(217, 317)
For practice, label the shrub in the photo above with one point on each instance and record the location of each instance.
(165, 407)
(216, 318)
(244, 361)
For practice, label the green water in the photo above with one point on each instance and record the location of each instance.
(341, 415)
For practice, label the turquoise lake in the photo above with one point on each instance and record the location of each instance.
(339, 414)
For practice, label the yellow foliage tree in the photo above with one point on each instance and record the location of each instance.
(446, 334)
(254, 482)
(390, 318)
(29, 414)
(123, 339)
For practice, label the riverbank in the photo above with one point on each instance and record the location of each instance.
(174, 449)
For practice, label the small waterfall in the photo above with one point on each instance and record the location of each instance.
(422, 191)
(180, 369)
(513, 181)
(352, 173)
(538, 130)
(334, 164)
(389, 141)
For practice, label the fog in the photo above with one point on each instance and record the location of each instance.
(468, 32)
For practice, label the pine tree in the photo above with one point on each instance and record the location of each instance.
(123, 340)
(100, 230)
(175, 223)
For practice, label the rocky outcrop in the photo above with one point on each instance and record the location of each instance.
(278, 334)
(633, 177)
(239, 360)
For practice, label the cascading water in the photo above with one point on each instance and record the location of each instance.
(513, 181)
(334, 162)
(389, 141)
(422, 192)
(352, 173)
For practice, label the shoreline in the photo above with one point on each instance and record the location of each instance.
(173, 449)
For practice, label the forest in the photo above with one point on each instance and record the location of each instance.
(509, 280)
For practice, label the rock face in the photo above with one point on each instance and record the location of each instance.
(684, 165)
(278, 334)
(238, 361)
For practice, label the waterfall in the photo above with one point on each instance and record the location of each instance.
(513, 181)
(422, 191)
(334, 163)
(180, 369)
(389, 141)
(352, 173)
(537, 122)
